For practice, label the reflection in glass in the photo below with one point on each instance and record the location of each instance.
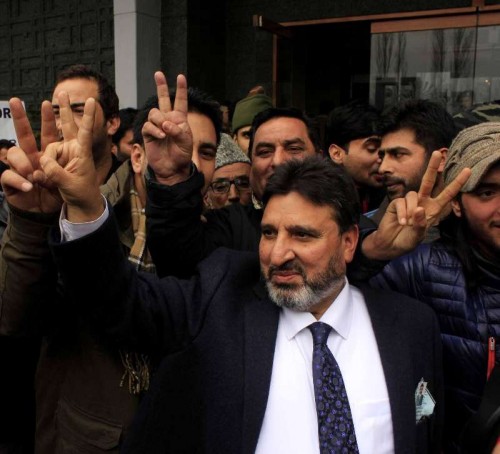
(456, 67)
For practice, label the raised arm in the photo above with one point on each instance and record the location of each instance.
(27, 271)
(130, 309)
(177, 237)
(24, 184)
(174, 203)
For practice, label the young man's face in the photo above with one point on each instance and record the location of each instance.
(275, 142)
(79, 90)
(242, 138)
(126, 143)
(403, 164)
(204, 145)
(303, 254)
(481, 209)
(362, 161)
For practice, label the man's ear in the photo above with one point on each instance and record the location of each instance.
(444, 154)
(350, 240)
(457, 209)
(112, 124)
(337, 154)
(207, 201)
(137, 158)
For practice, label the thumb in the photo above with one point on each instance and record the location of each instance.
(419, 218)
(53, 171)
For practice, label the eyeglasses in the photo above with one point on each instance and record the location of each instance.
(222, 186)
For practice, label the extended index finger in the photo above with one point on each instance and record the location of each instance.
(181, 98)
(451, 191)
(164, 103)
(430, 175)
(22, 125)
(68, 125)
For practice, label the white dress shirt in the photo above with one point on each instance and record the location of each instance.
(74, 230)
(290, 423)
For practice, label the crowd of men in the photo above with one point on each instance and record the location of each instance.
(183, 289)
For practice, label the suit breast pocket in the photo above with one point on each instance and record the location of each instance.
(82, 433)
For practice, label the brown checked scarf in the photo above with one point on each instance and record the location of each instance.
(139, 254)
(136, 375)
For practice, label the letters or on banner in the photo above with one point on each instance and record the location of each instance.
(7, 130)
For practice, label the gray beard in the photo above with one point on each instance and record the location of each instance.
(302, 298)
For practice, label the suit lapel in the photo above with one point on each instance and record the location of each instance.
(394, 354)
(261, 325)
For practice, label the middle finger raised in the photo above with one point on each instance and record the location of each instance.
(68, 125)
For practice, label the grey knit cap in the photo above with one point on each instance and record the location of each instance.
(478, 148)
(229, 153)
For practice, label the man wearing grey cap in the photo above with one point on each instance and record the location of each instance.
(231, 180)
(459, 275)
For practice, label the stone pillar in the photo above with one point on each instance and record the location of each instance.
(137, 49)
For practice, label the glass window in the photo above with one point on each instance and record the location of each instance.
(457, 67)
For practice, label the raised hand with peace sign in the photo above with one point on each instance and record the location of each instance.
(69, 164)
(24, 184)
(408, 218)
(167, 136)
(64, 170)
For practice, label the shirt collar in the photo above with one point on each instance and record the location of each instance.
(338, 316)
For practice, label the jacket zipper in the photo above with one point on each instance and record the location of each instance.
(491, 356)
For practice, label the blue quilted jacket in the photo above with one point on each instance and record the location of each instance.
(468, 318)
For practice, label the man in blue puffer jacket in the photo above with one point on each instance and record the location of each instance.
(459, 276)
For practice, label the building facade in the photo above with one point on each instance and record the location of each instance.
(314, 55)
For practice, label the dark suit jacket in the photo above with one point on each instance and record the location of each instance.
(218, 332)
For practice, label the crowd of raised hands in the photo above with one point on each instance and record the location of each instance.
(63, 169)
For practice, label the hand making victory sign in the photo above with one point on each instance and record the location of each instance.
(408, 218)
(69, 165)
(24, 184)
(167, 136)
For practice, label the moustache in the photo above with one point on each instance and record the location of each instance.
(287, 266)
(388, 181)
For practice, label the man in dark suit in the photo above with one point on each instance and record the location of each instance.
(291, 362)
(232, 379)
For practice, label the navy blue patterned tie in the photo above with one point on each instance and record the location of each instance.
(335, 426)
